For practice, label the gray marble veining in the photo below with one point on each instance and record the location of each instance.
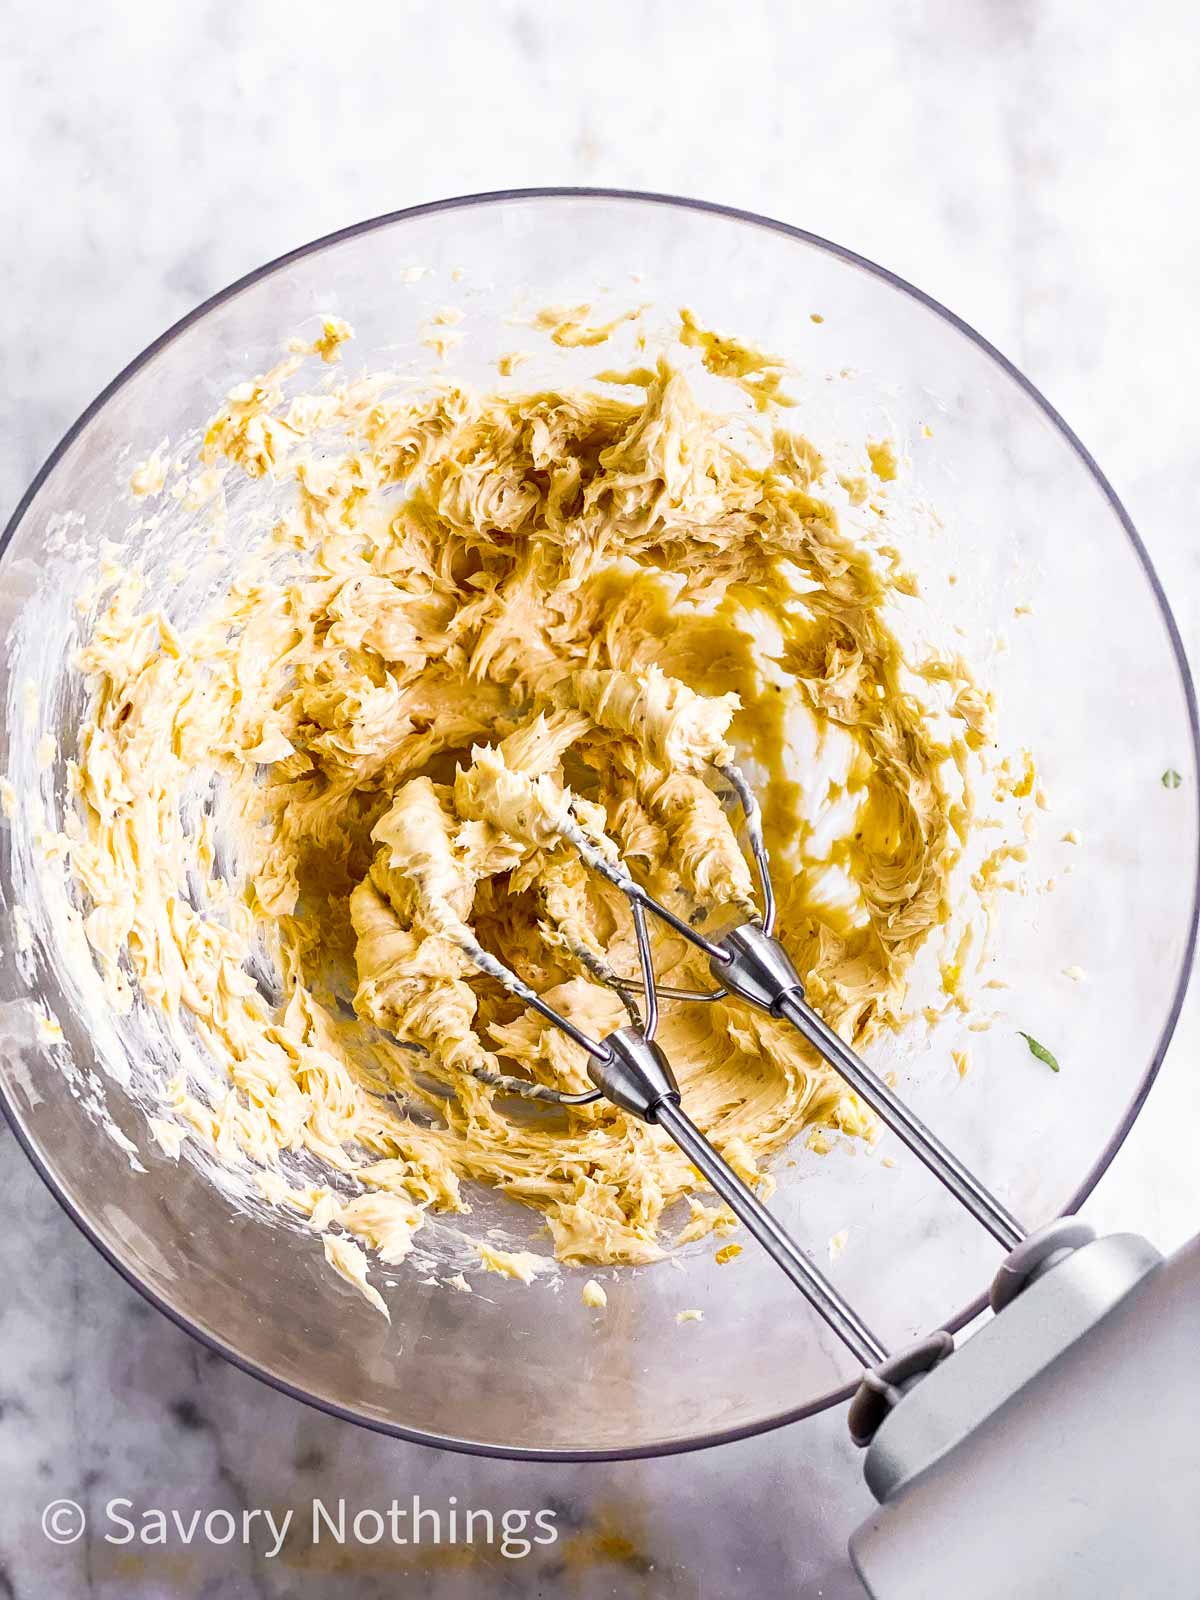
(1026, 163)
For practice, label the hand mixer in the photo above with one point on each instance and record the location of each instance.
(1054, 1453)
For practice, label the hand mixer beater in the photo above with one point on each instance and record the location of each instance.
(749, 964)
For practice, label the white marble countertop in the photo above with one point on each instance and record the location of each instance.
(1027, 164)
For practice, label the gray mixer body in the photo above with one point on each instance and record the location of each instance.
(1056, 1453)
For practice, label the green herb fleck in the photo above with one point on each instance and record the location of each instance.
(1039, 1050)
(1171, 779)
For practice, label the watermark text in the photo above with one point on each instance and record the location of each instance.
(514, 1532)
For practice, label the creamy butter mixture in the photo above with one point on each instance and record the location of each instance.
(488, 618)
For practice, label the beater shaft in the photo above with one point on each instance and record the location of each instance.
(756, 968)
(637, 1076)
(783, 1250)
(926, 1146)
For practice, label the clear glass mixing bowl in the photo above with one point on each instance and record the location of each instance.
(1094, 681)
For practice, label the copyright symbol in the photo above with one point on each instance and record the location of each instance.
(63, 1522)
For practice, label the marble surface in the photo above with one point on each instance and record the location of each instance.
(1026, 163)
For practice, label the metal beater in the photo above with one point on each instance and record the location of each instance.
(748, 962)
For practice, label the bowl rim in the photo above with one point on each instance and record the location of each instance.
(652, 1448)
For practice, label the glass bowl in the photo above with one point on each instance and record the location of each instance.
(1092, 678)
